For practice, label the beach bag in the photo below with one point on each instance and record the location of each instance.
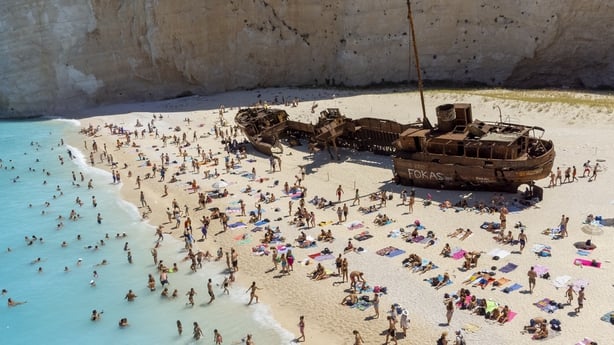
(546, 275)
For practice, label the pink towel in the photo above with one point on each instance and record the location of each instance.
(459, 255)
(511, 315)
(585, 262)
(540, 270)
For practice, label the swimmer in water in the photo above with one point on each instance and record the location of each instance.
(12, 303)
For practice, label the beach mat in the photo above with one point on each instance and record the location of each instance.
(560, 281)
(262, 222)
(585, 262)
(546, 305)
(608, 317)
(471, 327)
(500, 253)
(395, 252)
(512, 288)
(237, 225)
(386, 250)
(362, 305)
(363, 236)
(540, 270)
(459, 255)
(354, 225)
(501, 281)
(508, 267)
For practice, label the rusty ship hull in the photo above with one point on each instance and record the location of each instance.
(457, 153)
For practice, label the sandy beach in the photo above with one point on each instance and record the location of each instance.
(580, 124)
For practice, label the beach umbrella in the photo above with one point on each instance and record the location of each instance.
(592, 229)
(219, 184)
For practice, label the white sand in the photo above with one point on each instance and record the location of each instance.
(579, 131)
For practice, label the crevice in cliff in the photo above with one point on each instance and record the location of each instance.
(303, 37)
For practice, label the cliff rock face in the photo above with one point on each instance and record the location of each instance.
(68, 54)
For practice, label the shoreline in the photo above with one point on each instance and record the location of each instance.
(289, 297)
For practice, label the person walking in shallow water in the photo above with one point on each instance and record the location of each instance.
(252, 293)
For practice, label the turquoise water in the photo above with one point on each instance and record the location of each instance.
(59, 303)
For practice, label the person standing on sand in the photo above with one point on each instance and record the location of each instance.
(375, 302)
(532, 275)
(339, 192)
(301, 328)
(391, 333)
(356, 200)
(522, 239)
(569, 293)
(449, 302)
(581, 300)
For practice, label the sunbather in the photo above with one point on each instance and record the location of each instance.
(425, 268)
(504, 315)
(350, 299)
(443, 282)
(446, 251)
(467, 233)
(456, 232)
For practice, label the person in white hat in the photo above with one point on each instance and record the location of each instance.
(460, 340)
(404, 322)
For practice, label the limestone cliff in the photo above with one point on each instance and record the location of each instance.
(68, 54)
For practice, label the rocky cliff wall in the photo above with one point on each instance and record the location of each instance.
(68, 54)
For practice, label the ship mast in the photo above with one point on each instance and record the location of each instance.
(425, 121)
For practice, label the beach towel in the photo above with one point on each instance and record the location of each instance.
(417, 239)
(471, 328)
(508, 267)
(501, 281)
(561, 281)
(501, 253)
(237, 225)
(583, 252)
(458, 255)
(585, 341)
(584, 262)
(363, 236)
(325, 223)
(608, 317)
(233, 210)
(512, 288)
(579, 283)
(239, 237)
(511, 315)
(323, 257)
(262, 222)
(362, 305)
(385, 250)
(245, 241)
(395, 252)
(486, 225)
(357, 224)
(547, 305)
(540, 270)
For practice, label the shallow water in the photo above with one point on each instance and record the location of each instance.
(59, 302)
